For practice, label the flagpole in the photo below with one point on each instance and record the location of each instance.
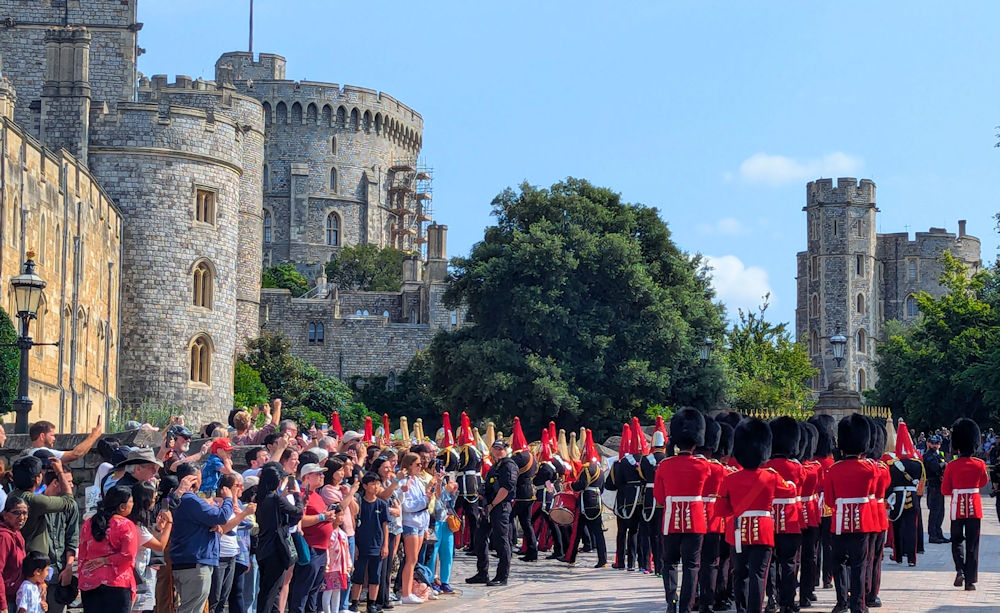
(251, 26)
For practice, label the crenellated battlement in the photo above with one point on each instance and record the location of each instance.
(848, 191)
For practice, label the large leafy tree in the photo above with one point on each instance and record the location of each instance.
(947, 365)
(368, 268)
(582, 310)
(407, 394)
(9, 363)
(766, 368)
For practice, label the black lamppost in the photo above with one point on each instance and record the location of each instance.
(27, 295)
(839, 343)
(706, 350)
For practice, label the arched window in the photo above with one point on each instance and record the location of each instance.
(204, 206)
(861, 303)
(201, 360)
(341, 117)
(862, 381)
(311, 113)
(327, 117)
(911, 306)
(814, 346)
(333, 179)
(332, 230)
(267, 226)
(297, 114)
(355, 120)
(312, 332)
(367, 119)
(267, 113)
(814, 306)
(281, 112)
(862, 345)
(202, 280)
(320, 332)
(385, 314)
(333, 145)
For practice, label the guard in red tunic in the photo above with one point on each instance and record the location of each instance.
(708, 573)
(745, 499)
(680, 481)
(808, 573)
(849, 488)
(826, 442)
(652, 511)
(787, 511)
(963, 478)
(874, 574)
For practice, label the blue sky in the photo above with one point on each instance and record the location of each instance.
(717, 113)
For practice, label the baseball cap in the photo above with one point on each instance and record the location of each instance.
(351, 435)
(221, 443)
(308, 469)
(934, 439)
(500, 444)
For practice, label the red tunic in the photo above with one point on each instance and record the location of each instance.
(825, 463)
(678, 486)
(716, 522)
(745, 498)
(962, 480)
(810, 493)
(849, 488)
(788, 510)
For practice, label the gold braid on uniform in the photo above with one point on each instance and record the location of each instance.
(590, 480)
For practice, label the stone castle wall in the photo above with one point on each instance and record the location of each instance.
(153, 157)
(50, 203)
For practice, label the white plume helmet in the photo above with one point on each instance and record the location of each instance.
(658, 440)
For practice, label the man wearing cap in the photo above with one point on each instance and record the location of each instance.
(934, 463)
(176, 442)
(494, 523)
(307, 580)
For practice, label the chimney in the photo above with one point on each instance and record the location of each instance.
(65, 110)
(437, 252)
(961, 228)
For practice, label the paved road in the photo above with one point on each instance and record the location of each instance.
(548, 586)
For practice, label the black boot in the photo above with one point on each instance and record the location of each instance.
(478, 578)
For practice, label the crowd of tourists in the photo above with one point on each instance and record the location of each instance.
(731, 512)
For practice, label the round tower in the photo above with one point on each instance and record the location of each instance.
(176, 174)
(841, 286)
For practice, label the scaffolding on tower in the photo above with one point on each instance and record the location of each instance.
(424, 196)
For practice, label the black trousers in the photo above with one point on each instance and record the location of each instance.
(708, 573)
(904, 535)
(496, 529)
(522, 511)
(848, 560)
(684, 548)
(876, 571)
(554, 530)
(237, 602)
(809, 574)
(627, 541)
(750, 577)
(470, 514)
(272, 572)
(920, 524)
(966, 532)
(307, 584)
(642, 546)
(593, 527)
(935, 515)
(104, 599)
(786, 562)
(383, 584)
(724, 578)
(826, 549)
(654, 528)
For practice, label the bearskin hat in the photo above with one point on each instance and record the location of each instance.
(752, 443)
(725, 441)
(826, 434)
(965, 436)
(877, 445)
(728, 417)
(712, 434)
(784, 436)
(807, 440)
(853, 434)
(687, 428)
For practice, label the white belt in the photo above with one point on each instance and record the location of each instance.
(905, 488)
(841, 503)
(470, 473)
(592, 489)
(649, 485)
(738, 541)
(784, 500)
(954, 499)
(810, 498)
(668, 508)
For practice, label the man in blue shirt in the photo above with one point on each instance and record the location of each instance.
(194, 545)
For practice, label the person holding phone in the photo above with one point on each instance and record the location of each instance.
(415, 499)
(277, 513)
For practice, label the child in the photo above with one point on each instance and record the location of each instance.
(31, 594)
(218, 463)
(371, 538)
(338, 562)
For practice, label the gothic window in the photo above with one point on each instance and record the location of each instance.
(297, 114)
(454, 318)
(311, 113)
(861, 303)
(267, 226)
(202, 281)
(333, 145)
(911, 269)
(315, 332)
(201, 360)
(355, 120)
(862, 345)
(333, 179)
(862, 382)
(814, 268)
(859, 265)
(267, 113)
(366, 313)
(332, 230)
(204, 206)
(320, 332)
(368, 121)
(814, 306)
(327, 117)
(378, 124)
(911, 306)
(341, 117)
(814, 345)
(281, 112)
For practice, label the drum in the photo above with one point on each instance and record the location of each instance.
(564, 508)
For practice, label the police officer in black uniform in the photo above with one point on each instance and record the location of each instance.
(934, 463)
(494, 522)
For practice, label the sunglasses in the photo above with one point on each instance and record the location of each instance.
(18, 513)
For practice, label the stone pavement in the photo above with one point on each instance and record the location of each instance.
(552, 587)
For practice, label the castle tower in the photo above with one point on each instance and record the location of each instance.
(837, 286)
(64, 119)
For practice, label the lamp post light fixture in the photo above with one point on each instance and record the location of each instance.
(706, 350)
(28, 288)
(839, 343)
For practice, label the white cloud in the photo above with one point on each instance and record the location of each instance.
(774, 170)
(737, 285)
(727, 226)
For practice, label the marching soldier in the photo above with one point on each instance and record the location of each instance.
(877, 540)
(547, 481)
(724, 577)
(811, 513)
(826, 440)
(469, 479)
(652, 511)
(934, 463)
(524, 491)
(963, 478)
(709, 571)
(906, 474)
(680, 481)
(588, 484)
(787, 511)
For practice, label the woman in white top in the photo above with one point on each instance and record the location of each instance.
(415, 498)
(153, 536)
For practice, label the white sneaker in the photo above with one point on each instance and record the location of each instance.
(411, 599)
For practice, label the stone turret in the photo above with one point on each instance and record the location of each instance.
(437, 253)
(65, 105)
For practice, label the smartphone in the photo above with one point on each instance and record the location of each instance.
(439, 466)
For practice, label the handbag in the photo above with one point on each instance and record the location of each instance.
(454, 522)
(304, 557)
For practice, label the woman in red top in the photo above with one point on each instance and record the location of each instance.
(15, 514)
(108, 546)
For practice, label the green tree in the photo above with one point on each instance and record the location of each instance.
(368, 268)
(407, 393)
(285, 276)
(307, 394)
(765, 367)
(946, 365)
(10, 362)
(248, 390)
(582, 310)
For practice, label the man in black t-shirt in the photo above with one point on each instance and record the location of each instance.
(371, 538)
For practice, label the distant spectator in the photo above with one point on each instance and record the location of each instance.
(43, 436)
(243, 423)
(208, 430)
(290, 462)
(109, 543)
(140, 465)
(154, 535)
(276, 514)
(218, 463)
(224, 574)
(256, 457)
(175, 447)
(64, 539)
(105, 448)
(307, 580)
(12, 552)
(27, 477)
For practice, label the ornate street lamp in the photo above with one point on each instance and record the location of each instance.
(839, 343)
(706, 350)
(27, 296)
